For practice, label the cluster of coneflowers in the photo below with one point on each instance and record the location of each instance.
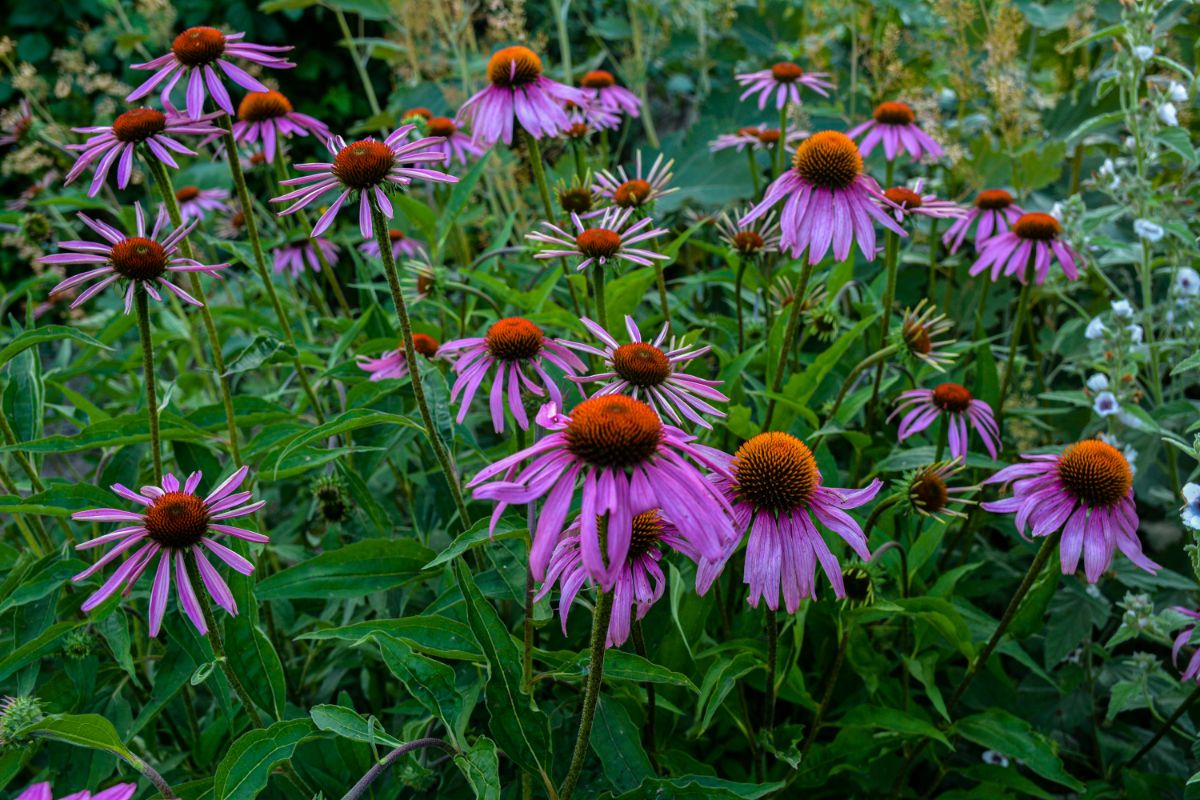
(616, 476)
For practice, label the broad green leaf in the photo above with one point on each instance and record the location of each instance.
(617, 743)
(372, 565)
(429, 633)
(49, 333)
(429, 682)
(700, 787)
(246, 767)
(481, 767)
(351, 420)
(35, 648)
(477, 535)
(349, 724)
(894, 720)
(82, 730)
(999, 730)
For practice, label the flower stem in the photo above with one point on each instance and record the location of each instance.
(789, 335)
(218, 644)
(539, 176)
(598, 291)
(779, 146)
(142, 303)
(752, 160)
(663, 298)
(385, 763)
(600, 618)
(1031, 575)
(891, 259)
(933, 259)
(639, 645)
(737, 302)
(1166, 726)
(874, 358)
(166, 191)
(152, 775)
(827, 695)
(379, 222)
(10, 439)
(1018, 328)
(260, 263)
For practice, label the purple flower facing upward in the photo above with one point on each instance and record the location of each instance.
(994, 211)
(118, 142)
(1087, 492)
(140, 259)
(828, 201)
(401, 246)
(1192, 672)
(905, 202)
(268, 117)
(774, 487)
(602, 91)
(639, 581)
(196, 203)
(784, 81)
(174, 524)
(923, 407)
(608, 240)
(644, 371)
(895, 125)
(518, 94)
(41, 791)
(1034, 235)
(367, 167)
(628, 461)
(197, 54)
(293, 256)
(513, 346)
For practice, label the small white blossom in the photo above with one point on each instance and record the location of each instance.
(1191, 508)
(1143, 52)
(1135, 333)
(1122, 309)
(995, 759)
(1095, 329)
(1168, 114)
(1098, 382)
(1147, 229)
(1187, 281)
(1177, 92)
(1106, 404)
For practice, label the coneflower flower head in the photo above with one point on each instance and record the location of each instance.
(784, 80)
(268, 117)
(994, 210)
(1033, 235)
(518, 94)
(894, 124)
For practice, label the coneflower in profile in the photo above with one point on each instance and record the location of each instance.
(518, 94)
(993, 212)
(1035, 235)
(783, 80)
(894, 125)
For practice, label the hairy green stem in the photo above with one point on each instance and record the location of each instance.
(1018, 328)
(1166, 726)
(141, 300)
(595, 677)
(789, 335)
(739, 276)
(539, 177)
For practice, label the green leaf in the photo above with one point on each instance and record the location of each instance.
(35, 648)
(481, 767)
(349, 724)
(894, 720)
(622, 295)
(82, 730)
(60, 500)
(617, 743)
(429, 682)
(431, 634)
(257, 353)
(620, 665)
(519, 727)
(720, 679)
(49, 333)
(999, 730)
(245, 769)
(1178, 141)
(477, 535)
(351, 420)
(122, 430)
(372, 565)
(700, 787)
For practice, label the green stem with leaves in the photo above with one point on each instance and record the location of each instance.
(789, 335)
(141, 300)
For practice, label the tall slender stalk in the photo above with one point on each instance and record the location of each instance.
(385, 763)
(739, 276)
(780, 148)
(598, 291)
(539, 176)
(752, 159)
(142, 302)
(166, 191)
(1166, 726)
(789, 335)
(663, 297)
(600, 618)
(260, 262)
(1018, 328)
(410, 354)
(891, 262)
(10, 439)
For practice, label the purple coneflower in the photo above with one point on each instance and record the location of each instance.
(602, 90)
(368, 167)
(828, 200)
(641, 189)
(117, 142)
(1087, 492)
(784, 80)
(195, 203)
(926, 490)
(920, 335)
(1036, 234)
(994, 210)
(923, 407)
(16, 124)
(758, 236)
(401, 246)
(198, 53)
(1192, 673)
(513, 345)
(174, 524)
(756, 137)
(294, 255)
(589, 118)
(454, 143)
(774, 487)
(907, 202)
(607, 240)
(645, 372)
(895, 125)
(140, 259)
(268, 117)
(393, 363)
(518, 94)
(639, 580)
(628, 461)
(41, 791)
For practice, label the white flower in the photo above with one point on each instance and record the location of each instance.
(1147, 229)
(1056, 211)
(995, 759)
(1135, 333)
(1177, 92)
(1109, 170)
(1168, 114)
(1187, 281)
(1098, 382)
(1122, 309)
(1106, 404)
(1191, 508)
(1143, 52)
(1095, 329)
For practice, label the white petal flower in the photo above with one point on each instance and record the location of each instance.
(1106, 404)
(1095, 329)
(1143, 52)
(1147, 229)
(1168, 114)
(1098, 382)
(1122, 309)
